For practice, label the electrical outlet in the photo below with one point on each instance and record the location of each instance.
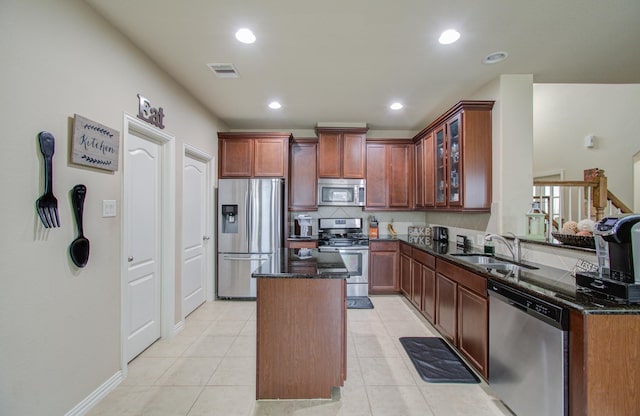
(109, 208)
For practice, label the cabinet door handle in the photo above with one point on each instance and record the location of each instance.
(130, 259)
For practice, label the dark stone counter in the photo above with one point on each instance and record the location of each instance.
(549, 283)
(303, 263)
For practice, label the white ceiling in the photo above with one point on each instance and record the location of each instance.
(348, 60)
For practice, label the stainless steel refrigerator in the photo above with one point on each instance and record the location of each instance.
(250, 232)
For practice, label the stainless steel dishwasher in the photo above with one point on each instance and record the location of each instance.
(528, 342)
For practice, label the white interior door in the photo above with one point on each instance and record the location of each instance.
(142, 296)
(195, 238)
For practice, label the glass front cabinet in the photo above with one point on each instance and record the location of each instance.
(448, 163)
(461, 161)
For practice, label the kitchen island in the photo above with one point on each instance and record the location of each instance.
(301, 325)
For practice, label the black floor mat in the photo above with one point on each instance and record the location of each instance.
(436, 362)
(359, 302)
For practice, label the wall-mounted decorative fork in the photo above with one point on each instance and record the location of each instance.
(47, 204)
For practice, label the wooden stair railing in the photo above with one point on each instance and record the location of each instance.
(595, 193)
(618, 204)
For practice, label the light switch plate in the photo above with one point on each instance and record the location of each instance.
(108, 208)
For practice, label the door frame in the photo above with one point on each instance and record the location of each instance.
(209, 161)
(168, 232)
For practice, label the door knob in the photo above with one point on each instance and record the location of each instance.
(205, 237)
(130, 259)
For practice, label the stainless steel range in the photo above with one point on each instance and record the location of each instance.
(344, 235)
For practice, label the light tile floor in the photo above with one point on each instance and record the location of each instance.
(209, 369)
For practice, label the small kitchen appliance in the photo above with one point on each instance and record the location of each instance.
(341, 192)
(440, 233)
(344, 235)
(617, 241)
(303, 225)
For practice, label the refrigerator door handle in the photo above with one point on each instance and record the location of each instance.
(247, 211)
(246, 258)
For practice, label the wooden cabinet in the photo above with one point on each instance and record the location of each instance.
(473, 318)
(246, 155)
(460, 156)
(429, 294)
(603, 364)
(341, 153)
(446, 311)
(301, 345)
(389, 174)
(424, 195)
(303, 182)
(417, 279)
(235, 156)
(462, 312)
(383, 267)
(424, 283)
(302, 243)
(405, 270)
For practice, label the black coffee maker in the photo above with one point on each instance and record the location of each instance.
(618, 250)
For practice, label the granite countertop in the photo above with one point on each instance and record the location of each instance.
(554, 285)
(300, 263)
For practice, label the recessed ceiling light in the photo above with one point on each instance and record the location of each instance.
(449, 36)
(395, 106)
(495, 57)
(245, 36)
(274, 105)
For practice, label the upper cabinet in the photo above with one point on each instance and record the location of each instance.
(455, 168)
(389, 174)
(341, 153)
(247, 155)
(303, 182)
(424, 181)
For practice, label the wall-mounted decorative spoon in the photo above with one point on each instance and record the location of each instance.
(79, 248)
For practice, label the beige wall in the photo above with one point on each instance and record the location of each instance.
(564, 114)
(511, 153)
(59, 325)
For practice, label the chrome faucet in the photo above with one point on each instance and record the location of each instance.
(513, 249)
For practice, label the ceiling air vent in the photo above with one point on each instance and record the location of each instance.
(224, 70)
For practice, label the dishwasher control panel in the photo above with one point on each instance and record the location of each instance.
(553, 314)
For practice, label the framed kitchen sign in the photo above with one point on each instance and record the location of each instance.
(94, 144)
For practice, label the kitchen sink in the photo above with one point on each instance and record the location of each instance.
(491, 262)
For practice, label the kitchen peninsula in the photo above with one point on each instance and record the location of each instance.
(301, 325)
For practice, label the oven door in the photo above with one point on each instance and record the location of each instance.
(356, 260)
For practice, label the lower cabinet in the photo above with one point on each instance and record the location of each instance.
(417, 279)
(383, 267)
(302, 243)
(405, 270)
(452, 298)
(462, 312)
(446, 311)
(603, 364)
(473, 319)
(428, 293)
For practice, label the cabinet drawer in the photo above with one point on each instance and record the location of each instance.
(469, 280)
(383, 245)
(302, 244)
(405, 249)
(424, 258)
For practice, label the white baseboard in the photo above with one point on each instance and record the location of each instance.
(98, 394)
(177, 328)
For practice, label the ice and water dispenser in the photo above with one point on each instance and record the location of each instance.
(230, 219)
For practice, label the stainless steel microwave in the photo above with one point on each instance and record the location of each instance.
(341, 192)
